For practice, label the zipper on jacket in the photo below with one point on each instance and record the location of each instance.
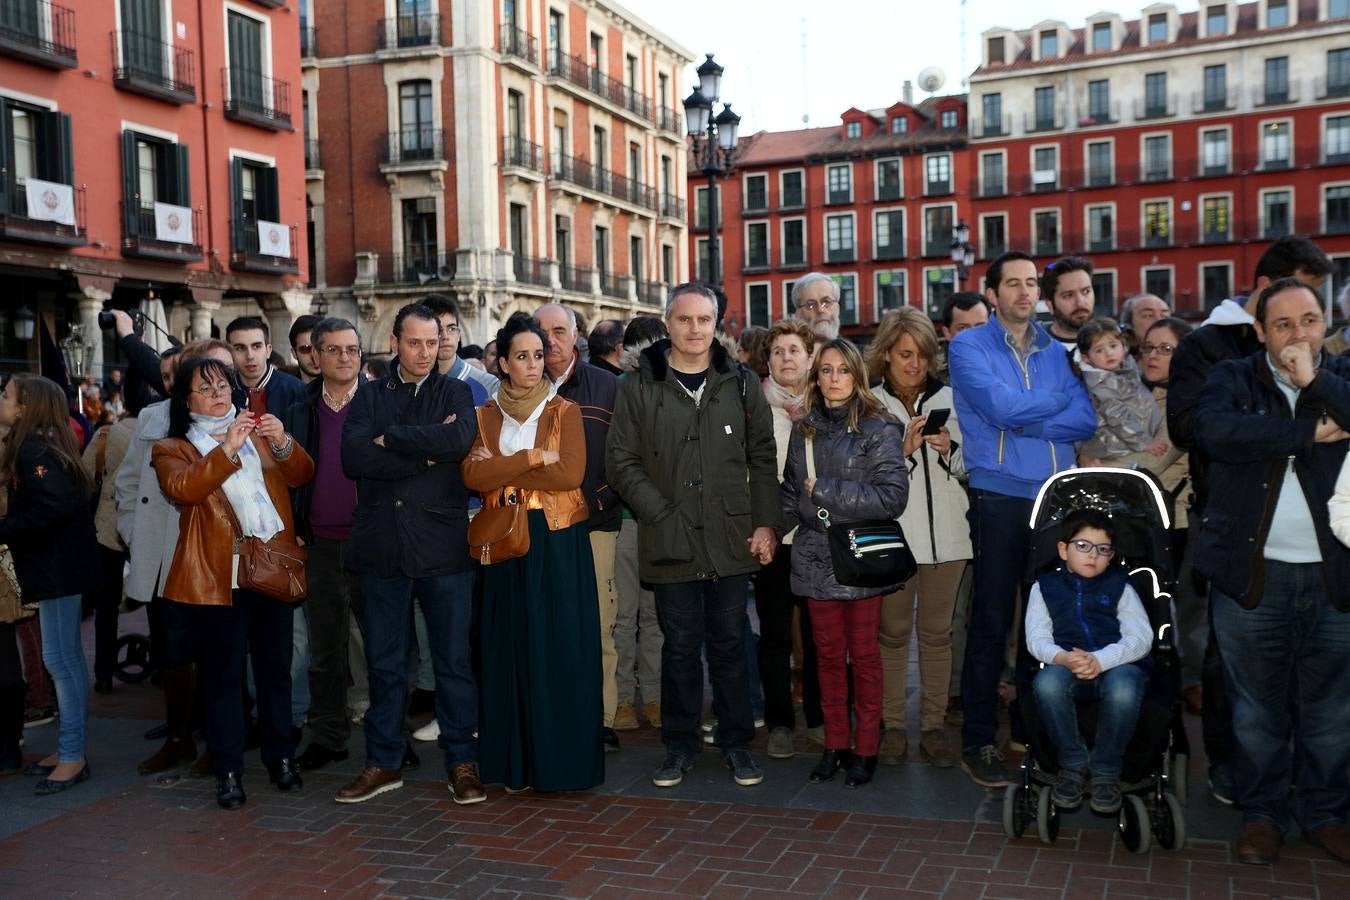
(1087, 632)
(1002, 435)
(1026, 377)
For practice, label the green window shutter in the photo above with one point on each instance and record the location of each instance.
(183, 173)
(6, 163)
(237, 206)
(269, 201)
(131, 200)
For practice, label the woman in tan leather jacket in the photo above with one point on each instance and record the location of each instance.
(541, 713)
(220, 466)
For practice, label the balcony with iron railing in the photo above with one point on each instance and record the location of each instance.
(140, 235)
(889, 190)
(575, 71)
(577, 279)
(147, 65)
(254, 98)
(669, 120)
(248, 244)
(533, 271)
(581, 173)
(1043, 120)
(616, 286)
(652, 293)
(1155, 108)
(1214, 101)
(413, 148)
(841, 254)
(794, 256)
(517, 45)
(420, 267)
(999, 126)
(891, 250)
(414, 34)
(38, 32)
(1275, 94)
(672, 207)
(312, 159)
(1327, 89)
(1108, 115)
(518, 153)
(17, 225)
(991, 187)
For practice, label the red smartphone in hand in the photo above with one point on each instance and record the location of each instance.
(257, 402)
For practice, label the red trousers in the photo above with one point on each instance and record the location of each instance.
(846, 633)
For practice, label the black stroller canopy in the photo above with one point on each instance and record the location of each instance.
(1134, 500)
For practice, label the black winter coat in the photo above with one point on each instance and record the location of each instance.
(1245, 429)
(860, 475)
(411, 503)
(594, 390)
(49, 527)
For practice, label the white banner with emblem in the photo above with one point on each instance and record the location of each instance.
(49, 201)
(173, 223)
(274, 239)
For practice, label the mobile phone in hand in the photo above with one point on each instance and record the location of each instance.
(257, 402)
(936, 419)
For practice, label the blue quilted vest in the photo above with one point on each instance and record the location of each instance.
(1083, 610)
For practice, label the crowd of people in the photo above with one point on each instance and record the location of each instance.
(546, 541)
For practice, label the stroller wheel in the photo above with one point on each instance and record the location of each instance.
(1014, 811)
(1179, 777)
(1047, 815)
(133, 658)
(1169, 824)
(1133, 825)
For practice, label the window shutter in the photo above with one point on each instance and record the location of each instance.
(237, 204)
(183, 171)
(131, 200)
(6, 163)
(269, 201)
(65, 148)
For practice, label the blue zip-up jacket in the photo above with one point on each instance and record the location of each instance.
(1083, 610)
(1019, 422)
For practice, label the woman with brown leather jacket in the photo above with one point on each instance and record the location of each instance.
(541, 715)
(220, 466)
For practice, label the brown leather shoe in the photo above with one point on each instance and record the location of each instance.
(1335, 839)
(934, 750)
(465, 788)
(1258, 844)
(894, 746)
(372, 782)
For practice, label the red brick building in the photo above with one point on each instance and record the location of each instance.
(149, 146)
(872, 202)
(507, 153)
(1170, 148)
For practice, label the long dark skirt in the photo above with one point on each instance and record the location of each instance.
(542, 715)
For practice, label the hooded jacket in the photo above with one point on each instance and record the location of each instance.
(1128, 418)
(699, 477)
(1020, 417)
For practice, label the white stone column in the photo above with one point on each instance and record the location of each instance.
(201, 321)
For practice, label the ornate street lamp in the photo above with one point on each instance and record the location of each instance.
(963, 254)
(714, 146)
(77, 354)
(24, 323)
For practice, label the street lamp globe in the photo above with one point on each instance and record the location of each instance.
(728, 125)
(710, 79)
(24, 323)
(962, 232)
(697, 111)
(969, 257)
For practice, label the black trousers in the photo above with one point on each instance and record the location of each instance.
(332, 592)
(106, 598)
(257, 625)
(11, 666)
(774, 601)
(173, 633)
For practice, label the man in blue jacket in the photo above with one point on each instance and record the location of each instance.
(1273, 426)
(1021, 408)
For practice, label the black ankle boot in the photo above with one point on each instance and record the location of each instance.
(286, 776)
(860, 771)
(11, 729)
(831, 761)
(230, 791)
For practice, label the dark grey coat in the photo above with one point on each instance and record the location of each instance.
(860, 475)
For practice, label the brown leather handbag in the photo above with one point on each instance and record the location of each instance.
(501, 532)
(273, 568)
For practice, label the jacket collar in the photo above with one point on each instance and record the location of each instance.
(314, 389)
(656, 359)
(1040, 338)
(396, 380)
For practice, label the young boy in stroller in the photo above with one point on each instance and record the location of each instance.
(1086, 624)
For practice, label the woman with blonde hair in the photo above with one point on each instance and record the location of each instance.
(903, 358)
(843, 459)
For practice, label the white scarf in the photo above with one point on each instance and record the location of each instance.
(245, 489)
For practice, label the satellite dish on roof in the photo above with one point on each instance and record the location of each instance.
(931, 78)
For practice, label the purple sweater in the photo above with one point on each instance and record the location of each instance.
(330, 512)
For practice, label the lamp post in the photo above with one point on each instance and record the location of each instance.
(963, 254)
(714, 146)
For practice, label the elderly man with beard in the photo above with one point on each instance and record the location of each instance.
(815, 297)
(1067, 287)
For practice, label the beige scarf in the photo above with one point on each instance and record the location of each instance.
(518, 403)
(778, 395)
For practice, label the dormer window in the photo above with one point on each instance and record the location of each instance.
(1216, 20)
(949, 118)
(1277, 13)
(899, 125)
(1101, 37)
(996, 57)
(1049, 44)
(1157, 28)
(853, 130)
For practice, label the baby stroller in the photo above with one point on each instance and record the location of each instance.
(1153, 779)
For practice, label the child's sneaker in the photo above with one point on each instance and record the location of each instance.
(1068, 790)
(1105, 795)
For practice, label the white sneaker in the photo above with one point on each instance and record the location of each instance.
(428, 732)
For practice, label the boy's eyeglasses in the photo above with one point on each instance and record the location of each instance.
(1105, 551)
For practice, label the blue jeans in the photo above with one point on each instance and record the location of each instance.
(1001, 538)
(1285, 667)
(63, 655)
(1119, 691)
(694, 614)
(447, 603)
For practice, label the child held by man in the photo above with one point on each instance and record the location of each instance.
(1086, 623)
(1129, 421)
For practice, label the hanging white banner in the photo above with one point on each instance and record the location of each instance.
(49, 201)
(173, 223)
(274, 239)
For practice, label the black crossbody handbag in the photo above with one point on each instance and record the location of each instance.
(873, 553)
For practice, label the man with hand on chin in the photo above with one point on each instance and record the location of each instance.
(692, 453)
(1276, 423)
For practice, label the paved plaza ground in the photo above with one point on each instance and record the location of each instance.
(914, 832)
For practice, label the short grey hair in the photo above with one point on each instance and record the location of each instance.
(1127, 308)
(330, 325)
(571, 313)
(809, 279)
(690, 287)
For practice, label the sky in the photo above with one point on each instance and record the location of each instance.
(858, 52)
